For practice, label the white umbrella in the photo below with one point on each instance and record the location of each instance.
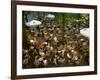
(33, 23)
(50, 16)
(85, 32)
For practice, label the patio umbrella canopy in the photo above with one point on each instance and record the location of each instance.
(33, 23)
(85, 32)
(50, 16)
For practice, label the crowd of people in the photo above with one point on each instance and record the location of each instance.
(54, 45)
